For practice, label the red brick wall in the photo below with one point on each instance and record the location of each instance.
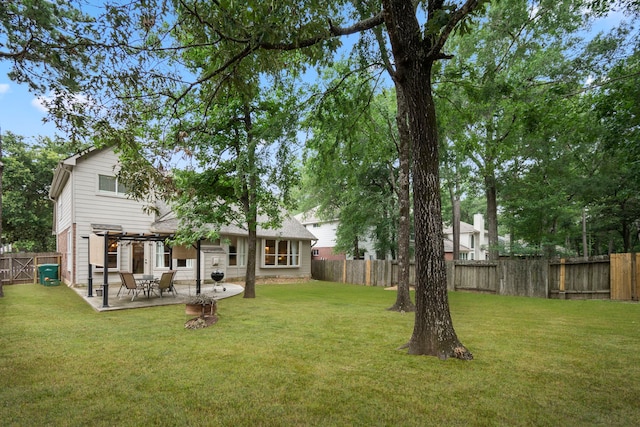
(327, 254)
(62, 248)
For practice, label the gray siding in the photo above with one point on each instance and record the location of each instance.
(94, 207)
(81, 203)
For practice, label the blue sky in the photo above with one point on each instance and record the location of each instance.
(20, 111)
(22, 114)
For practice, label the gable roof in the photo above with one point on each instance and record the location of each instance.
(448, 246)
(465, 228)
(290, 229)
(65, 167)
(312, 217)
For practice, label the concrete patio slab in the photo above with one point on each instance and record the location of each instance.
(123, 302)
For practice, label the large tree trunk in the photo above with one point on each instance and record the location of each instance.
(250, 275)
(251, 214)
(491, 192)
(356, 248)
(455, 218)
(403, 297)
(250, 204)
(1, 241)
(433, 332)
(585, 248)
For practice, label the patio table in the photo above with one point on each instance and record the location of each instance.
(147, 281)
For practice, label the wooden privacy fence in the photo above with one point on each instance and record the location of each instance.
(595, 278)
(22, 267)
(625, 277)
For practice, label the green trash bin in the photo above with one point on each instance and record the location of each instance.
(48, 274)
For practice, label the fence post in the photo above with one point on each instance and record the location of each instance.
(344, 271)
(561, 290)
(634, 277)
(453, 276)
(367, 272)
(35, 270)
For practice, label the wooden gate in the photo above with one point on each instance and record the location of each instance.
(625, 277)
(22, 267)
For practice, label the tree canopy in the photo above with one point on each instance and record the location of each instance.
(27, 211)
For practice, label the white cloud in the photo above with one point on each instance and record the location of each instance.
(4, 88)
(40, 104)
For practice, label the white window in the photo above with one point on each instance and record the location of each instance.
(162, 255)
(237, 251)
(186, 263)
(110, 184)
(315, 252)
(113, 257)
(473, 241)
(280, 253)
(463, 255)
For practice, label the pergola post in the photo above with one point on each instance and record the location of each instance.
(170, 256)
(90, 270)
(198, 282)
(90, 281)
(105, 272)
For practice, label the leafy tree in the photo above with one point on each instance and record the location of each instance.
(50, 45)
(350, 162)
(496, 86)
(577, 159)
(238, 132)
(373, 49)
(27, 211)
(43, 40)
(611, 163)
(236, 187)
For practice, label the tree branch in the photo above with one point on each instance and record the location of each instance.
(334, 31)
(457, 16)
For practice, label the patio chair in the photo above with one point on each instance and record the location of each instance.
(166, 283)
(129, 282)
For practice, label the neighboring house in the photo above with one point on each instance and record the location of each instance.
(474, 240)
(448, 250)
(325, 231)
(89, 200)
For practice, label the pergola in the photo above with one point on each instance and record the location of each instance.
(100, 242)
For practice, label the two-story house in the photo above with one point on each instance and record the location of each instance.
(89, 201)
(325, 231)
(474, 240)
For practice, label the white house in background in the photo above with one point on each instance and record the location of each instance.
(89, 201)
(448, 250)
(474, 240)
(325, 231)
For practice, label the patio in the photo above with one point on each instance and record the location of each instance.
(123, 302)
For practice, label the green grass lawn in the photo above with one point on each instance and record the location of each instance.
(320, 354)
